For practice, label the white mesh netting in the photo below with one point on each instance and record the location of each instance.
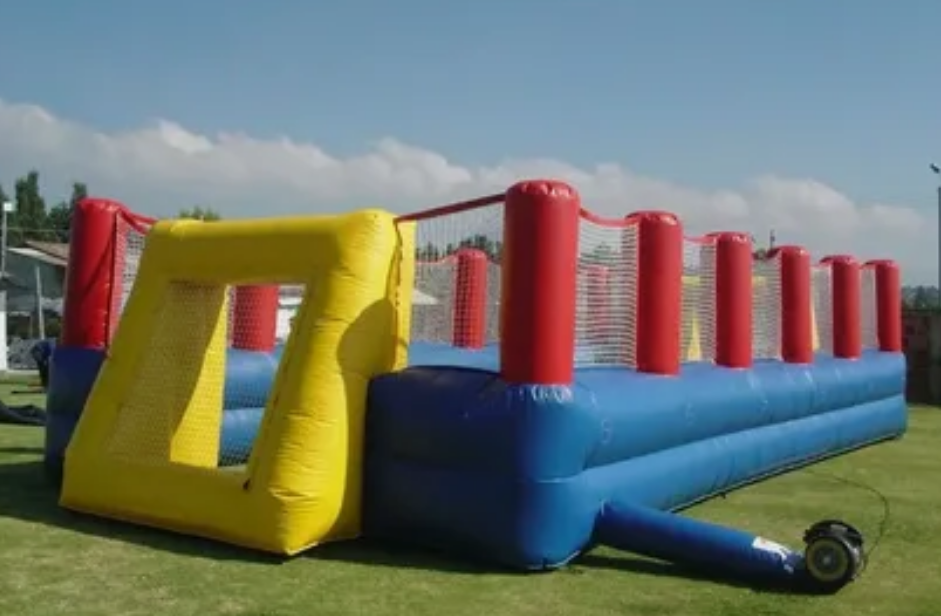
(821, 290)
(130, 234)
(449, 302)
(606, 293)
(209, 376)
(698, 342)
(433, 300)
(766, 308)
(457, 289)
(456, 298)
(868, 307)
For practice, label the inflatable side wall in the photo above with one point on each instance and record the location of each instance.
(461, 460)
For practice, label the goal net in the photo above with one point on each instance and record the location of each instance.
(229, 350)
(130, 231)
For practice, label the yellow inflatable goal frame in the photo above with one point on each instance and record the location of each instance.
(145, 449)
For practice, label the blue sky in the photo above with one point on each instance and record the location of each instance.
(704, 94)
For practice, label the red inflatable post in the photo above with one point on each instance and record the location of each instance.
(659, 292)
(255, 318)
(888, 305)
(797, 346)
(845, 298)
(89, 281)
(470, 299)
(733, 300)
(538, 283)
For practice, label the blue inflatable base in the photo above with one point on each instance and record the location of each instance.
(459, 460)
(528, 476)
(72, 372)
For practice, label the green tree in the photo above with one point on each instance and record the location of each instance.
(29, 218)
(199, 212)
(602, 254)
(79, 192)
(59, 219)
(485, 244)
(760, 253)
(924, 298)
(433, 252)
(428, 252)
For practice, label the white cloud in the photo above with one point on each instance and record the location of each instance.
(162, 167)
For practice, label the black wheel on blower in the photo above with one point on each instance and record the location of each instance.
(833, 555)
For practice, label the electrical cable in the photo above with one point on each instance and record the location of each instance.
(885, 520)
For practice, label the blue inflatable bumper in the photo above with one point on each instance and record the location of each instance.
(530, 475)
(459, 460)
(73, 371)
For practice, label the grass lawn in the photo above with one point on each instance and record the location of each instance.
(54, 562)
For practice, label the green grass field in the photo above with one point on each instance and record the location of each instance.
(54, 562)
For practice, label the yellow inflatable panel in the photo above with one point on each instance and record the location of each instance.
(147, 445)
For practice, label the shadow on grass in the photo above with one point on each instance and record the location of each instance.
(380, 554)
(28, 495)
(32, 451)
(659, 569)
(370, 552)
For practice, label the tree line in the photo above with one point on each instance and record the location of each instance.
(34, 219)
(601, 254)
(921, 297)
(433, 252)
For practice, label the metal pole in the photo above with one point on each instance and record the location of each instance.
(5, 208)
(3, 242)
(40, 317)
(937, 171)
